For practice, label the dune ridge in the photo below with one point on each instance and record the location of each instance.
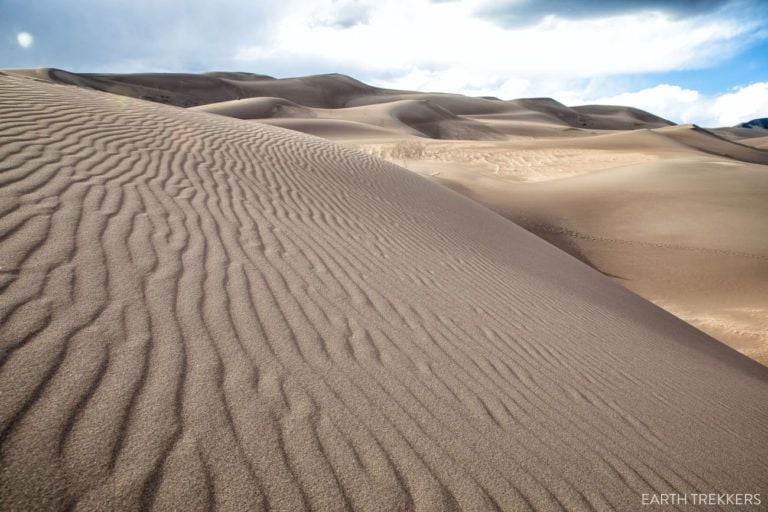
(221, 91)
(203, 312)
(420, 118)
(497, 152)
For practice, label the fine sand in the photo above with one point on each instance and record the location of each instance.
(200, 312)
(675, 213)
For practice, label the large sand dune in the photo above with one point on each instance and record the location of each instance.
(200, 312)
(335, 91)
(494, 151)
(420, 118)
(186, 90)
(677, 214)
(687, 232)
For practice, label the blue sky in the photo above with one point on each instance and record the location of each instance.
(702, 61)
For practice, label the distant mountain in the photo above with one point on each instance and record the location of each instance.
(755, 123)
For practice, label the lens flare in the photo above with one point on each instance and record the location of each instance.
(25, 39)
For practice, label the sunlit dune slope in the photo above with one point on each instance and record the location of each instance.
(200, 312)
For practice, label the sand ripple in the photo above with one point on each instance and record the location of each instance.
(199, 312)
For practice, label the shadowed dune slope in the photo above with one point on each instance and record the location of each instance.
(199, 312)
(689, 236)
(421, 118)
(188, 89)
(258, 108)
(437, 122)
(180, 89)
(610, 117)
(596, 117)
(455, 103)
(740, 134)
(709, 142)
(757, 142)
(335, 129)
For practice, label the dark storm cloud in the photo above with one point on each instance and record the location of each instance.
(347, 14)
(515, 12)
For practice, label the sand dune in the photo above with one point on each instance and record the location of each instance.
(436, 122)
(688, 236)
(739, 133)
(186, 90)
(437, 116)
(709, 142)
(456, 103)
(609, 117)
(200, 312)
(258, 108)
(596, 117)
(335, 129)
(679, 225)
(450, 116)
(757, 142)
(335, 91)
(421, 118)
(482, 146)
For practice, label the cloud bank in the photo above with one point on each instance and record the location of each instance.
(690, 106)
(568, 50)
(517, 12)
(401, 36)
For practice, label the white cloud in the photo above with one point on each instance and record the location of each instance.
(670, 101)
(742, 104)
(406, 38)
(690, 106)
(455, 80)
(449, 47)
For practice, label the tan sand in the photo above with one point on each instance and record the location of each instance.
(201, 312)
(679, 226)
(686, 233)
(483, 146)
(421, 118)
(187, 90)
(493, 150)
(684, 228)
(757, 142)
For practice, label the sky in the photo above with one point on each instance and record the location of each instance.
(691, 61)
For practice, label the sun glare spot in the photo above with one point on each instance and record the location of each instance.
(25, 39)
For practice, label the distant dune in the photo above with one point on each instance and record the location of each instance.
(334, 91)
(201, 312)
